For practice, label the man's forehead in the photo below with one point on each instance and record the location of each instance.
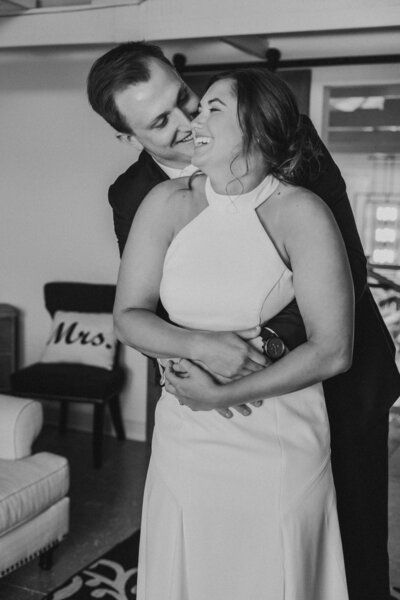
(158, 69)
(145, 101)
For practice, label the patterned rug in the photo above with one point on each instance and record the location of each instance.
(111, 577)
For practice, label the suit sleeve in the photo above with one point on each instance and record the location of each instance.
(289, 326)
(326, 181)
(125, 197)
(121, 216)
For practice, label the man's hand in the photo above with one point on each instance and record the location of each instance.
(229, 354)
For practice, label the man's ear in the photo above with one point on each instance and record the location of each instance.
(129, 138)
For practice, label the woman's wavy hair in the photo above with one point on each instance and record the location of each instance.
(270, 120)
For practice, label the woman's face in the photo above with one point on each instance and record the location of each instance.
(218, 138)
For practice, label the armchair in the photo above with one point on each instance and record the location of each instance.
(34, 508)
(80, 364)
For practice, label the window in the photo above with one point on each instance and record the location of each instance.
(364, 119)
(362, 131)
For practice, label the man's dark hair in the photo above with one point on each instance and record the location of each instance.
(122, 66)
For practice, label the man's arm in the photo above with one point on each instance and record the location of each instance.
(288, 325)
(122, 218)
(127, 193)
(125, 196)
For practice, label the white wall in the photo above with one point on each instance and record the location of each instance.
(57, 160)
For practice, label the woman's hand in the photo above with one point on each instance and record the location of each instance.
(229, 354)
(193, 386)
(180, 370)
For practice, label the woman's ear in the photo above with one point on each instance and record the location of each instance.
(129, 138)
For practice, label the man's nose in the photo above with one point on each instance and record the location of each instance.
(183, 118)
(195, 124)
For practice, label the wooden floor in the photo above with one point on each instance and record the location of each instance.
(106, 506)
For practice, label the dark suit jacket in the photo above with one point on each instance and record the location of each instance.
(354, 399)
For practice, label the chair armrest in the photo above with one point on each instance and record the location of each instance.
(21, 420)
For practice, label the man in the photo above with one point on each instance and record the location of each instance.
(138, 92)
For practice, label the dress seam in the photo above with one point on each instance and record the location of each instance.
(286, 270)
(280, 495)
(295, 500)
(160, 475)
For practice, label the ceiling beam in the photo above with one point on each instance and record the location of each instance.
(255, 45)
(17, 4)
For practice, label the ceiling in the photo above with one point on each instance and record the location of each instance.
(16, 7)
(97, 24)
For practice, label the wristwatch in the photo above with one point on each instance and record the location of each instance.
(273, 346)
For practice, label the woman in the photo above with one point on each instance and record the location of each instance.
(242, 508)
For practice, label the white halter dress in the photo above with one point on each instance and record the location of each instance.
(241, 508)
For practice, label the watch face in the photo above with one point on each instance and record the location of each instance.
(274, 348)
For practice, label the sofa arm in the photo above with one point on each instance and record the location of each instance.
(21, 420)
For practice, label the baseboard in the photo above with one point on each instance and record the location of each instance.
(80, 418)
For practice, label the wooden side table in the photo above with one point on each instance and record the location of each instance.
(8, 344)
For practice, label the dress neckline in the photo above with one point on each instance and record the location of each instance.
(241, 202)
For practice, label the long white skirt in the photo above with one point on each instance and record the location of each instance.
(241, 508)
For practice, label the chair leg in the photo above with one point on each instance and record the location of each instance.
(98, 431)
(116, 418)
(62, 424)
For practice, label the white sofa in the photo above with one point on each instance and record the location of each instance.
(34, 507)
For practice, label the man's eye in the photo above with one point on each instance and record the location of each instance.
(214, 110)
(183, 99)
(162, 123)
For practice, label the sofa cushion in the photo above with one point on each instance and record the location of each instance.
(33, 537)
(60, 379)
(20, 423)
(30, 486)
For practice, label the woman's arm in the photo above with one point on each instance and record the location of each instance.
(324, 291)
(160, 216)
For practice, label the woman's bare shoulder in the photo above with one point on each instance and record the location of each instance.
(171, 205)
(166, 191)
(297, 203)
(176, 190)
(165, 199)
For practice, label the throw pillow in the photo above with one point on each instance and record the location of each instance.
(84, 338)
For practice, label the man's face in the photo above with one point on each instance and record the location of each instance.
(159, 112)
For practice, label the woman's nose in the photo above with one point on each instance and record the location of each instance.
(198, 122)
